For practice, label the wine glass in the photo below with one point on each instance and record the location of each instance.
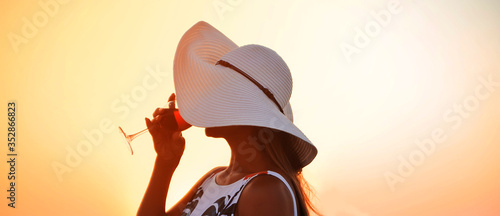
(174, 122)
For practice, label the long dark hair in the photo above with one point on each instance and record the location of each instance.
(276, 147)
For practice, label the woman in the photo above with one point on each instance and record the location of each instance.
(240, 94)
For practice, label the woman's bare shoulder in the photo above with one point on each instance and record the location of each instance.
(269, 193)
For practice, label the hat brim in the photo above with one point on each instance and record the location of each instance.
(210, 95)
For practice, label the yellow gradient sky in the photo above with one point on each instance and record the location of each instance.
(372, 80)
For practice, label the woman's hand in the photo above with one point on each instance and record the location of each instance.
(169, 144)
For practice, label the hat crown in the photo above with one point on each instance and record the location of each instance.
(266, 67)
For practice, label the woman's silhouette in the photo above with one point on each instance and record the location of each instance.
(240, 94)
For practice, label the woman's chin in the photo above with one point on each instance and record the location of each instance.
(226, 131)
(212, 132)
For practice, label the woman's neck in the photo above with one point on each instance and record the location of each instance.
(248, 156)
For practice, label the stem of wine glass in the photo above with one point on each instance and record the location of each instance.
(133, 136)
(129, 138)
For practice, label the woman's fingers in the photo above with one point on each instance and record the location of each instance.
(171, 101)
(153, 124)
(172, 97)
(164, 121)
(155, 113)
(149, 124)
(160, 111)
(171, 105)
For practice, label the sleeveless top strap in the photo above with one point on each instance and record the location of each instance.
(277, 175)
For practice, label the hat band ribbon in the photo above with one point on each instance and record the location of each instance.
(265, 90)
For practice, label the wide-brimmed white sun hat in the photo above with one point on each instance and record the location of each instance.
(221, 84)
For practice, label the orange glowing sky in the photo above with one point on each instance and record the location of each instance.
(413, 72)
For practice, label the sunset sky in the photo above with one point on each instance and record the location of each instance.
(401, 99)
